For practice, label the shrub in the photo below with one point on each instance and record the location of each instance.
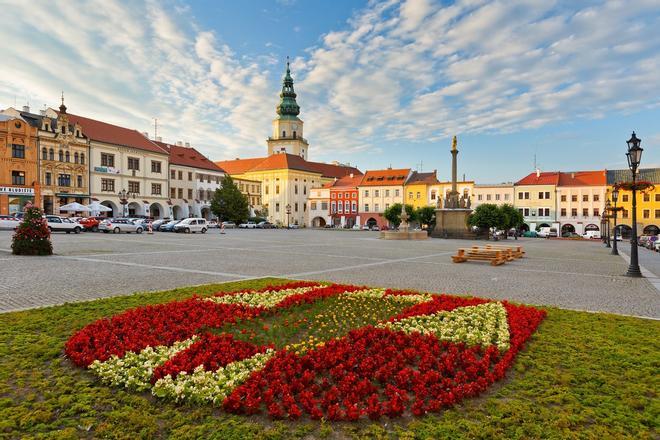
(32, 236)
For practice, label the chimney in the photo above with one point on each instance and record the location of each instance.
(538, 173)
(145, 134)
(351, 175)
(572, 175)
(26, 108)
(42, 112)
(187, 144)
(159, 138)
(179, 144)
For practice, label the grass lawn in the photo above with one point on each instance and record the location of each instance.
(582, 375)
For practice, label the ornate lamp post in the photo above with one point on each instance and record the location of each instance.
(123, 199)
(288, 213)
(615, 197)
(607, 219)
(634, 156)
(603, 237)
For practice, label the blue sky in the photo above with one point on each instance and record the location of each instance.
(379, 83)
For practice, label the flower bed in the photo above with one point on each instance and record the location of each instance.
(410, 353)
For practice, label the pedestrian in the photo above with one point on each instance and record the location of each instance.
(222, 228)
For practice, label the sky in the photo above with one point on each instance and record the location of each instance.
(559, 84)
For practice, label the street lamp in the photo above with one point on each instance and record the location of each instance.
(606, 215)
(288, 213)
(123, 199)
(615, 197)
(634, 156)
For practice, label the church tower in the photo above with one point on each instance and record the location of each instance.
(287, 134)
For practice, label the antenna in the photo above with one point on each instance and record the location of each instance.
(420, 166)
(535, 167)
(155, 128)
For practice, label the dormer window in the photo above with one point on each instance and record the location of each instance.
(64, 129)
(283, 134)
(47, 126)
(294, 135)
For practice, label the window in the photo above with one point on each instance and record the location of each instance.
(79, 181)
(173, 174)
(133, 187)
(18, 151)
(396, 193)
(108, 185)
(376, 207)
(433, 195)
(76, 158)
(107, 160)
(506, 197)
(563, 212)
(49, 179)
(596, 212)
(51, 154)
(563, 198)
(180, 174)
(305, 189)
(646, 213)
(18, 177)
(547, 195)
(172, 193)
(479, 196)
(156, 167)
(190, 194)
(624, 213)
(624, 198)
(64, 180)
(497, 196)
(324, 206)
(266, 190)
(647, 197)
(657, 197)
(277, 207)
(354, 207)
(526, 195)
(487, 196)
(82, 158)
(366, 207)
(44, 154)
(366, 193)
(526, 212)
(387, 193)
(295, 207)
(189, 176)
(574, 212)
(179, 192)
(585, 197)
(419, 195)
(376, 193)
(133, 163)
(541, 195)
(333, 207)
(277, 189)
(657, 212)
(574, 198)
(520, 196)
(340, 207)
(347, 206)
(312, 206)
(596, 197)
(295, 189)
(60, 156)
(67, 156)
(63, 129)
(347, 195)
(410, 194)
(585, 212)
(387, 206)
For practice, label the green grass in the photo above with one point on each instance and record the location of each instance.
(582, 375)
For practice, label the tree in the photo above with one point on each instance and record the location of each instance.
(426, 216)
(487, 216)
(393, 213)
(32, 236)
(228, 204)
(512, 217)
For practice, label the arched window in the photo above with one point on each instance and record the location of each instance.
(82, 158)
(209, 194)
(68, 157)
(51, 154)
(201, 194)
(61, 156)
(283, 134)
(44, 154)
(294, 135)
(75, 157)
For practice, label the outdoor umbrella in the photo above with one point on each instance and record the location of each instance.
(97, 208)
(75, 206)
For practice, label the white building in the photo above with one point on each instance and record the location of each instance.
(318, 207)
(581, 198)
(497, 194)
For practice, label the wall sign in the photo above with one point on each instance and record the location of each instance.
(110, 170)
(14, 190)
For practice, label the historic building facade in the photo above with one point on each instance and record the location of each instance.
(345, 201)
(535, 196)
(318, 207)
(124, 161)
(422, 189)
(251, 189)
(648, 203)
(379, 189)
(496, 194)
(581, 197)
(19, 181)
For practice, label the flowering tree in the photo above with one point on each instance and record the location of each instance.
(32, 236)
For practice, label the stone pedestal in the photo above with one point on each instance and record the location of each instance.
(452, 223)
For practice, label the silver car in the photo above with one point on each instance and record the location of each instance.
(118, 225)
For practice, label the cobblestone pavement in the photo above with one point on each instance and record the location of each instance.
(568, 274)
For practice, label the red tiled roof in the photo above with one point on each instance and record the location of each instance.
(546, 178)
(113, 134)
(285, 161)
(387, 177)
(428, 178)
(583, 178)
(348, 181)
(188, 156)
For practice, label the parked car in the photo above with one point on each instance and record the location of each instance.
(375, 228)
(91, 223)
(213, 224)
(571, 235)
(656, 246)
(157, 224)
(118, 225)
(650, 243)
(642, 240)
(591, 234)
(531, 234)
(248, 225)
(8, 222)
(57, 223)
(169, 226)
(265, 225)
(366, 228)
(229, 225)
(294, 226)
(192, 225)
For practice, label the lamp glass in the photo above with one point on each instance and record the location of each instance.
(615, 195)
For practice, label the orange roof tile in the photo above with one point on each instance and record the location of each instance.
(282, 162)
(188, 156)
(348, 181)
(583, 178)
(113, 134)
(546, 178)
(388, 177)
(427, 178)
(239, 166)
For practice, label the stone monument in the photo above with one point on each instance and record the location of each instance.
(451, 219)
(404, 232)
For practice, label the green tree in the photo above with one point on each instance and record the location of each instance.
(426, 216)
(32, 236)
(228, 204)
(393, 212)
(512, 217)
(487, 216)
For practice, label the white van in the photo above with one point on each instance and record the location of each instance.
(591, 234)
(192, 225)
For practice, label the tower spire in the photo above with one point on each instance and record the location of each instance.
(62, 106)
(288, 107)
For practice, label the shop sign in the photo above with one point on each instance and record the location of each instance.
(16, 190)
(109, 170)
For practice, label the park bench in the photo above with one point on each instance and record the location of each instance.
(516, 251)
(507, 253)
(494, 256)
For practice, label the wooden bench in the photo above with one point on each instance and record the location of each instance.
(507, 253)
(495, 256)
(516, 251)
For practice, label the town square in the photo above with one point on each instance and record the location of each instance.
(303, 219)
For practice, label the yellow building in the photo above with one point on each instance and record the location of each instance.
(19, 182)
(419, 189)
(535, 196)
(648, 203)
(251, 189)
